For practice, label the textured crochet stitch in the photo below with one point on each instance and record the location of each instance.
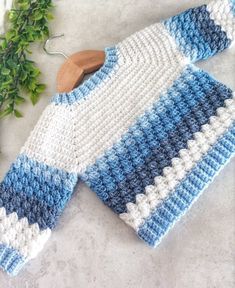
(147, 133)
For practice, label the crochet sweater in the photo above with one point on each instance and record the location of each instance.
(147, 133)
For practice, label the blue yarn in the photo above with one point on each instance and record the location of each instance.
(39, 193)
(35, 210)
(136, 182)
(184, 36)
(29, 183)
(179, 201)
(163, 108)
(96, 79)
(117, 187)
(197, 34)
(36, 179)
(11, 260)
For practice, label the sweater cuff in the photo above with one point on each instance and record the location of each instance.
(19, 241)
(11, 261)
(223, 14)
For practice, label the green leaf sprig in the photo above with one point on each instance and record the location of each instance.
(28, 22)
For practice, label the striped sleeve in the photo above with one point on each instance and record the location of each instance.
(204, 31)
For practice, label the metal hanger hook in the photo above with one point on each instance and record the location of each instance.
(53, 52)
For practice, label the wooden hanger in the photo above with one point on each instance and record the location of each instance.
(76, 66)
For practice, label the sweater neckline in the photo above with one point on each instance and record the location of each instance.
(84, 89)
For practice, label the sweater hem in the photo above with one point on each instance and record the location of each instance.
(163, 218)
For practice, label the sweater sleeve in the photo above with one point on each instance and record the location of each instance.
(204, 31)
(36, 189)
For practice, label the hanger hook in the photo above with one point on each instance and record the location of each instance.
(53, 52)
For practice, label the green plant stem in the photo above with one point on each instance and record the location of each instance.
(19, 75)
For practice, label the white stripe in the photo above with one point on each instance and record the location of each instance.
(27, 239)
(138, 82)
(72, 137)
(51, 141)
(221, 12)
(202, 142)
(153, 44)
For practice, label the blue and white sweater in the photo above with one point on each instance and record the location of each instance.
(147, 133)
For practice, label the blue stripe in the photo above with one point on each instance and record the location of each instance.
(36, 211)
(36, 179)
(36, 191)
(161, 156)
(96, 79)
(148, 147)
(196, 34)
(11, 260)
(151, 121)
(180, 200)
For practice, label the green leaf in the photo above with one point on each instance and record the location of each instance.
(24, 5)
(11, 63)
(35, 71)
(23, 75)
(5, 71)
(40, 88)
(12, 15)
(17, 113)
(10, 34)
(19, 100)
(50, 16)
(37, 16)
(28, 22)
(34, 97)
(5, 112)
(32, 85)
(4, 44)
(7, 81)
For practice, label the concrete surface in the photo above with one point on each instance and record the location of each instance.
(91, 247)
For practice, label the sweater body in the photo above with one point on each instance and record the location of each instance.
(147, 133)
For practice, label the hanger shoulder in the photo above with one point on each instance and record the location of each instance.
(76, 66)
(69, 76)
(89, 60)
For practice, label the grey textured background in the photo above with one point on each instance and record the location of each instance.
(91, 247)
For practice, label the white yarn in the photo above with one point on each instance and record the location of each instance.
(154, 194)
(103, 119)
(220, 11)
(27, 239)
(52, 139)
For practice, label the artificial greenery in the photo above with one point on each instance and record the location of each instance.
(28, 22)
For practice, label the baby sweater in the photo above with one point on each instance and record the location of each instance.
(147, 133)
